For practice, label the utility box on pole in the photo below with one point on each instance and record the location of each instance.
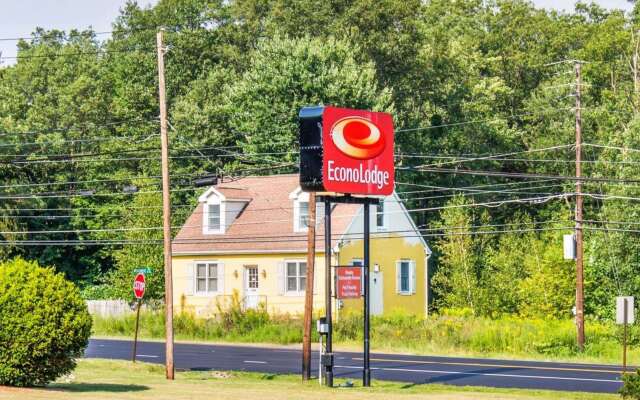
(569, 242)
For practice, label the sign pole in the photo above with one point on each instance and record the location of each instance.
(366, 373)
(135, 336)
(139, 287)
(328, 356)
(624, 345)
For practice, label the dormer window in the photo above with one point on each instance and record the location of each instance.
(301, 210)
(214, 217)
(220, 208)
(303, 215)
(380, 217)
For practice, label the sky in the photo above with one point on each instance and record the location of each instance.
(18, 18)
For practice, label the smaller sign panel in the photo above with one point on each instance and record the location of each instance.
(349, 282)
(139, 286)
(145, 270)
(620, 300)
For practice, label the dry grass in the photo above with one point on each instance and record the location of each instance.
(101, 379)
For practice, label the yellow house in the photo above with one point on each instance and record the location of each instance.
(247, 240)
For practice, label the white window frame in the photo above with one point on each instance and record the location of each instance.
(383, 226)
(411, 290)
(299, 290)
(300, 198)
(206, 229)
(207, 278)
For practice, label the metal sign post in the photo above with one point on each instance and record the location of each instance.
(139, 287)
(366, 372)
(624, 315)
(327, 357)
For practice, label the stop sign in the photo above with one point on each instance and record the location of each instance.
(139, 286)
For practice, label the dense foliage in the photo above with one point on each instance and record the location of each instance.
(44, 324)
(464, 80)
(631, 386)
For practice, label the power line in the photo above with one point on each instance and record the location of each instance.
(496, 156)
(517, 175)
(89, 125)
(478, 121)
(76, 54)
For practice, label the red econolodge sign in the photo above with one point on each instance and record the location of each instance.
(358, 151)
(348, 282)
(139, 286)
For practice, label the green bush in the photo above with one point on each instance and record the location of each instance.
(44, 324)
(631, 386)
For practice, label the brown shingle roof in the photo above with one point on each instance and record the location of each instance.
(265, 224)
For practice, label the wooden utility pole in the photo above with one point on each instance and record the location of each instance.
(166, 212)
(579, 244)
(308, 296)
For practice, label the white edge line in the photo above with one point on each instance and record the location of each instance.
(486, 374)
(254, 362)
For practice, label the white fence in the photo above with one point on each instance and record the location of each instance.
(109, 308)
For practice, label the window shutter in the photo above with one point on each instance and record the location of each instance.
(221, 278)
(412, 268)
(398, 277)
(281, 278)
(191, 280)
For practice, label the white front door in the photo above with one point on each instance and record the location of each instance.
(251, 285)
(376, 293)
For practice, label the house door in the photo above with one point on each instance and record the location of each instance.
(376, 293)
(251, 285)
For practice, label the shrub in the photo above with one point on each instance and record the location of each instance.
(44, 324)
(631, 386)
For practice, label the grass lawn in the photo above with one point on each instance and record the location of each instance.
(102, 379)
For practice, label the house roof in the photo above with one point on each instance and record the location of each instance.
(264, 225)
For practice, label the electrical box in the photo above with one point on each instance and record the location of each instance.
(569, 242)
(322, 326)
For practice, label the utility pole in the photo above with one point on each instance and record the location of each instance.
(579, 244)
(308, 294)
(166, 211)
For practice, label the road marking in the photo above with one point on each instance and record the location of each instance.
(562, 378)
(493, 365)
(146, 355)
(254, 362)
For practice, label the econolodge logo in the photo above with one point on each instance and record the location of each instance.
(357, 138)
(358, 152)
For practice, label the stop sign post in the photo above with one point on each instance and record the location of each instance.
(139, 287)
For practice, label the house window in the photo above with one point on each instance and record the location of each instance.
(206, 277)
(214, 217)
(296, 276)
(405, 277)
(380, 215)
(303, 215)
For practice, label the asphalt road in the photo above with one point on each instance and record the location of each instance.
(411, 369)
